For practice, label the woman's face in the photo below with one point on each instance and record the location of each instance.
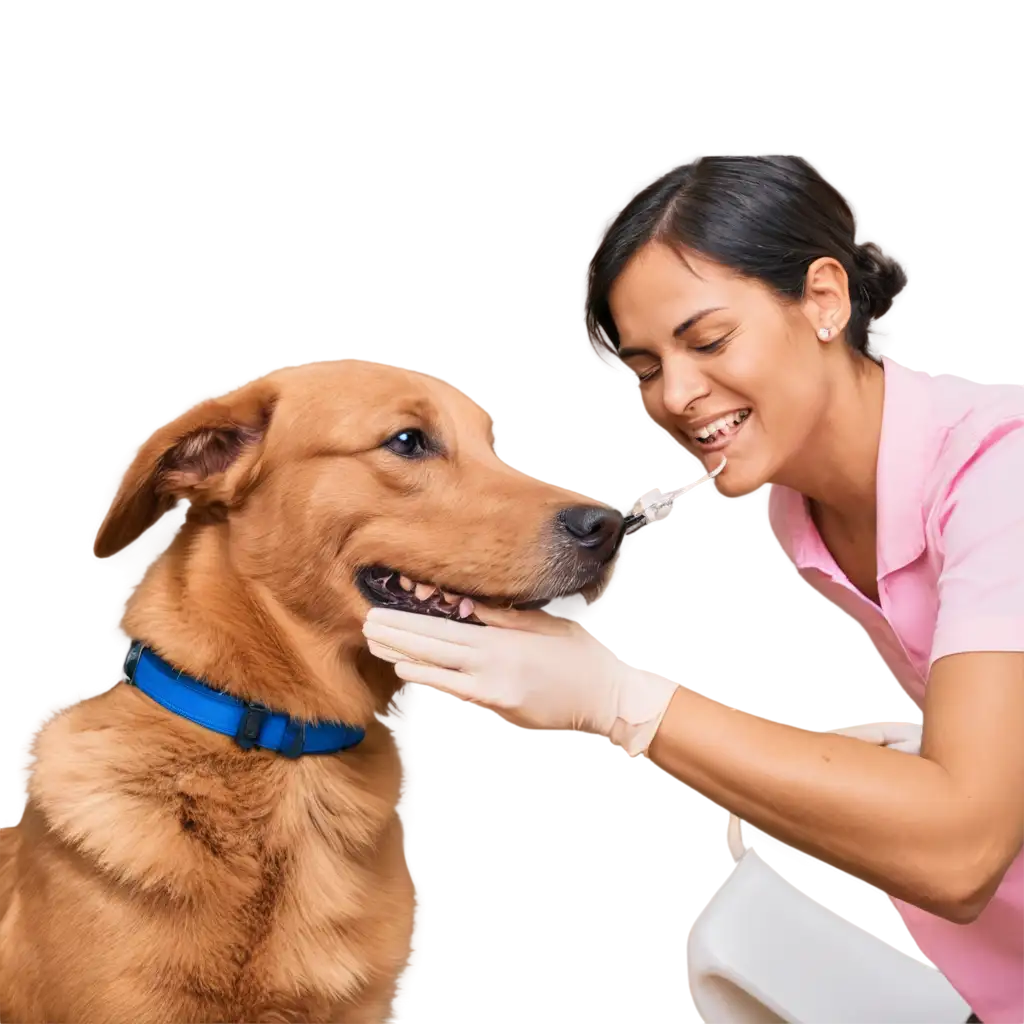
(725, 366)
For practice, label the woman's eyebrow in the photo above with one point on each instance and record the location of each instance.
(626, 353)
(691, 321)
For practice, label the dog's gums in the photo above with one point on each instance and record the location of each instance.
(388, 588)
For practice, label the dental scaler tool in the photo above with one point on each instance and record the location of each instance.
(654, 505)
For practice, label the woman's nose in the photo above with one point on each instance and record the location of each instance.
(683, 385)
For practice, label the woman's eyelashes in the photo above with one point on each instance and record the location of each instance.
(712, 346)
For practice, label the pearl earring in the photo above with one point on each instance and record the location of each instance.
(825, 333)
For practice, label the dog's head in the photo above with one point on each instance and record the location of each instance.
(333, 486)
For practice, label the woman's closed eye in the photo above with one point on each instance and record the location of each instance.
(712, 346)
(651, 371)
(643, 362)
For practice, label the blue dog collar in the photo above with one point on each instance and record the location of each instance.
(249, 723)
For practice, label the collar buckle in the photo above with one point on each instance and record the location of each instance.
(131, 662)
(293, 741)
(248, 733)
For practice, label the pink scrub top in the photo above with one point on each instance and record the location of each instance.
(950, 579)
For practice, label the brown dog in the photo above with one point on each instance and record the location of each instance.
(160, 871)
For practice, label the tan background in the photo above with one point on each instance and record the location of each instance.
(187, 194)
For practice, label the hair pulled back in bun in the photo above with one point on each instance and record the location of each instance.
(766, 217)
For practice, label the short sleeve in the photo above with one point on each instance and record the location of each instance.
(981, 524)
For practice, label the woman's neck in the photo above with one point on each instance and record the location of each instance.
(837, 470)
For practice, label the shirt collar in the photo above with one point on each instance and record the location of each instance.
(908, 446)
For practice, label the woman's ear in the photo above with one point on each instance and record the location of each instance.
(826, 301)
(205, 456)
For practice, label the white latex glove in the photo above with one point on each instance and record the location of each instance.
(899, 735)
(534, 669)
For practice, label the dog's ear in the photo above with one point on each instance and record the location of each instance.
(206, 456)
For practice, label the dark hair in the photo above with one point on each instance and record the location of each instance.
(766, 217)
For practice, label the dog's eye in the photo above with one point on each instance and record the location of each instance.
(410, 444)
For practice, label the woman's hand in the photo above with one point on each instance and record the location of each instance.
(902, 736)
(534, 669)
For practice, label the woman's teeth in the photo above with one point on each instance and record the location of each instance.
(724, 425)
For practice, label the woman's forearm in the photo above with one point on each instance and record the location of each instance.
(892, 819)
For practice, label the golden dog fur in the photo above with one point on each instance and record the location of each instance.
(162, 873)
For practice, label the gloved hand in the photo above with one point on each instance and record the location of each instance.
(534, 669)
(898, 735)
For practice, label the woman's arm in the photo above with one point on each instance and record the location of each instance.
(938, 831)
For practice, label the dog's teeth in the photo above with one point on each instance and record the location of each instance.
(424, 590)
(450, 598)
(405, 583)
(465, 608)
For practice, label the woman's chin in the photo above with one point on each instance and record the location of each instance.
(736, 481)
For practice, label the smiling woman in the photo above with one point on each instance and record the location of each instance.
(716, 272)
(736, 290)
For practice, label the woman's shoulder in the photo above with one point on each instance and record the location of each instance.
(948, 398)
(963, 417)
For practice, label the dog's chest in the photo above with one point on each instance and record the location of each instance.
(321, 908)
(235, 884)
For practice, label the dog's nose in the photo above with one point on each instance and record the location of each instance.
(596, 529)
